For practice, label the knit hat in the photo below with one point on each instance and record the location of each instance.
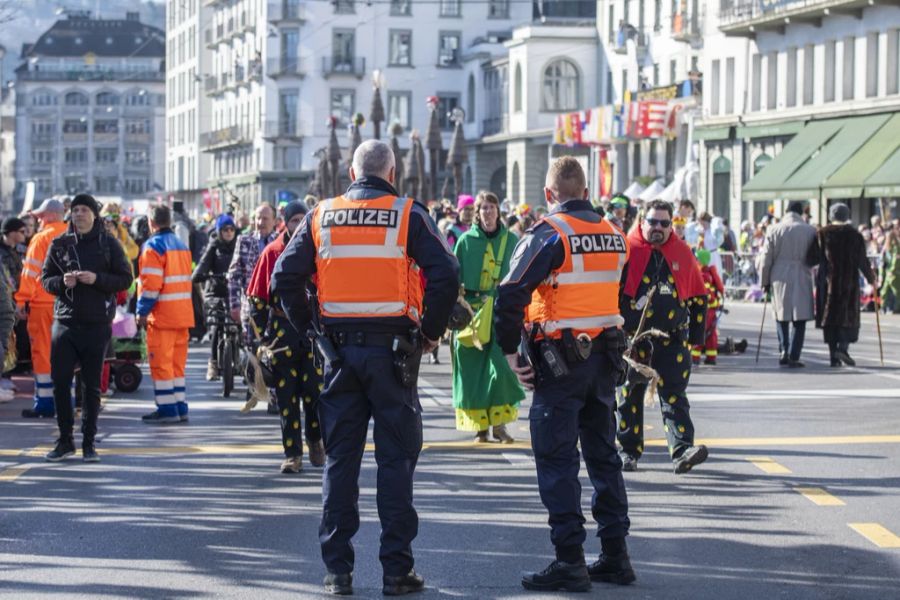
(86, 200)
(463, 201)
(839, 213)
(294, 208)
(224, 221)
(12, 224)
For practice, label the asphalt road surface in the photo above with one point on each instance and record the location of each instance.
(799, 498)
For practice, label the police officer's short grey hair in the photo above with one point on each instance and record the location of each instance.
(373, 157)
(161, 215)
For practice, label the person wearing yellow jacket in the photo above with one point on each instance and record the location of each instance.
(111, 214)
(164, 307)
(34, 301)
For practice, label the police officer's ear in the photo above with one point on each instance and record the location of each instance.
(392, 175)
(352, 174)
(586, 195)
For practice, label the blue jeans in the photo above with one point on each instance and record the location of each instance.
(791, 342)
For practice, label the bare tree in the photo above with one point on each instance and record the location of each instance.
(9, 10)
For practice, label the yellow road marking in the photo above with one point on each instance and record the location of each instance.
(819, 496)
(468, 445)
(767, 465)
(12, 473)
(878, 535)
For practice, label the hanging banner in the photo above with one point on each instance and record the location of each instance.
(605, 174)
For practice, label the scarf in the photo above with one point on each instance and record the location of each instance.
(677, 254)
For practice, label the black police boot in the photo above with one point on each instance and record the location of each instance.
(690, 458)
(339, 584)
(65, 448)
(398, 585)
(613, 565)
(568, 575)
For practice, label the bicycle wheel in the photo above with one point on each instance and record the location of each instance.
(227, 368)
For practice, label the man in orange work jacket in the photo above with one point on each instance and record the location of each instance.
(34, 301)
(563, 282)
(164, 306)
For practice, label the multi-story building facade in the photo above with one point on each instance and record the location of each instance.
(187, 106)
(90, 107)
(7, 147)
(279, 68)
(802, 104)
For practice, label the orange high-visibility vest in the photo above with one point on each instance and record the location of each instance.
(362, 268)
(31, 291)
(583, 294)
(164, 279)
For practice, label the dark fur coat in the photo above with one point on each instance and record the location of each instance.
(840, 253)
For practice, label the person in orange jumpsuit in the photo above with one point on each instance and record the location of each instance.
(165, 308)
(34, 303)
(715, 291)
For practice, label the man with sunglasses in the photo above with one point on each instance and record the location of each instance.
(664, 285)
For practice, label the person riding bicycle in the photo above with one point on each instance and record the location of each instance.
(212, 270)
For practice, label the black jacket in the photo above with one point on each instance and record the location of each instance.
(12, 259)
(425, 245)
(215, 260)
(95, 251)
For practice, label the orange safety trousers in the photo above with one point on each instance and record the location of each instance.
(40, 326)
(167, 350)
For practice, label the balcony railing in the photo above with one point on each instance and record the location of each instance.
(74, 136)
(90, 75)
(43, 138)
(286, 66)
(287, 11)
(629, 33)
(226, 137)
(688, 27)
(283, 129)
(744, 17)
(339, 65)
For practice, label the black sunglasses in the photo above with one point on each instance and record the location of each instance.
(664, 223)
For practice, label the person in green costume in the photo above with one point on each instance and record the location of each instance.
(486, 393)
(890, 289)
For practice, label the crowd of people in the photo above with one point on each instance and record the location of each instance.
(596, 308)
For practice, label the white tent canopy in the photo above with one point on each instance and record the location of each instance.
(653, 191)
(634, 190)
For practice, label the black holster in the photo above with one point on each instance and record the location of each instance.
(325, 355)
(613, 344)
(408, 357)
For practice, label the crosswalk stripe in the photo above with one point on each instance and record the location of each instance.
(877, 534)
(819, 496)
(767, 465)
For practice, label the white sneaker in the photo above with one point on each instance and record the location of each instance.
(6, 395)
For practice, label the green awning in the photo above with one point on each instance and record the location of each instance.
(769, 130)
(768, 184)
(849, 180)
(712, 133)
(804, 184)
(885, 182)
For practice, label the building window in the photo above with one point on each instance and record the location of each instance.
(75, 126)
(107, 99)
(872, 64)
(75, 155)
(729, 86)
(611, 24)
(288, 111)
(450, 8)
(809, 63)
(137, 157)
(43, 99)
(657, 15)
(448, 49)
(42, 157)
(517, 89)
(446, 104)
(893, 58)
(561, 86)
(498, 9)
(105, 184)
(136, 186)
(77, 99)
(772, 83)
(849, 63)
(106, 126)
(400, 53)
(344, 7)
(343, 103)
(106, 155)
(830, 70)
(401, 8)
(343, 48)
(470, 99)
(714, 91)
(138, 126)
(399, 108)
(756, 82)
(791, 90)
(656, 75)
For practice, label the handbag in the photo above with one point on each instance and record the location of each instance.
(478, 332)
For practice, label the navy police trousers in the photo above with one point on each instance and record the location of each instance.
(579, 406)
(364, 386)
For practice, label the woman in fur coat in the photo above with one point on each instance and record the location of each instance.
(840, 252)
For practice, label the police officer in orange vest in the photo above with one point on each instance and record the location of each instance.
(563, 284)
(368, 253)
